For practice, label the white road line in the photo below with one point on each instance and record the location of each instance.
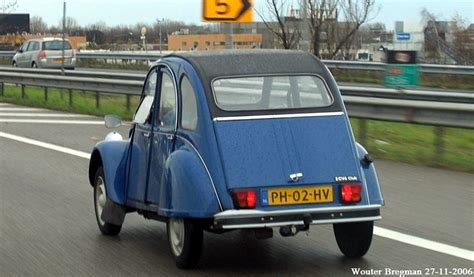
(45, 121)
(378, 231)
(43, 115)
(22, 109)
(424, 243)
(46, 145)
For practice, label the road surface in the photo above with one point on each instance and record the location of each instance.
(48, 228)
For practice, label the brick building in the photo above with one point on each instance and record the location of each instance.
(180, 42)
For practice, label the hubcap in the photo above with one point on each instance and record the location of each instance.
(176, 230)
(101, 197)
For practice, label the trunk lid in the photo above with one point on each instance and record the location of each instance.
(263, 153)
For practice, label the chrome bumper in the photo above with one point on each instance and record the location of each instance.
(239, 219)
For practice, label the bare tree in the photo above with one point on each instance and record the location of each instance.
(285, 29)
(339, 34)
(9, 6)
(319, 12)
(37, 25)
(71, 25)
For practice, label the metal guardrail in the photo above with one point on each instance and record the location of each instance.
(379, 92)
(362, 106)
(333, 64)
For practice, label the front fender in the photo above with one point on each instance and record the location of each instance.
(370, 176)
(187, 190)
(113, 157)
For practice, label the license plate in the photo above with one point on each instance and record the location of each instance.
(299, 195)
(59, 60)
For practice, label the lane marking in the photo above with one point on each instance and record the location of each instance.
(43, 115)
(424, 243)
(378, 231)
(45, 121)
(47, 145)
(22, 110)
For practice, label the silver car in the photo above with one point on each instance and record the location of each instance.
(45, 53)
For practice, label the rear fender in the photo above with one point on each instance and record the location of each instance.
(112, 156)
(370, 176)
(188, 190)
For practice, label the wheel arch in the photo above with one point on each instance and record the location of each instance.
(370, 177)
(187, 178)
(113, 157)
(94, 164)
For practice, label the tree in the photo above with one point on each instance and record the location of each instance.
(338, 35)
(71, 25)
(9, 6)
(37, 25)
(286, 29)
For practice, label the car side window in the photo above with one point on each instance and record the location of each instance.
(167, 113)
(189, 114)
(31, 46)
(143, 110)
(24, 47)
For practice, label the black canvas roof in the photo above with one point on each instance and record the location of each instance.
(211, 64)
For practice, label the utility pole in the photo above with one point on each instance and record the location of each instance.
(229, 43)
(64, 37)
(161, 22)
(305, 36)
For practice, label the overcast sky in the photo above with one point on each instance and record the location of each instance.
(115, 12)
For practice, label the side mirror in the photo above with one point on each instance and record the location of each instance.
(20, 50)
(112, 121)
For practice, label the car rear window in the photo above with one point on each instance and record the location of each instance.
(56, 45)
(271, 93)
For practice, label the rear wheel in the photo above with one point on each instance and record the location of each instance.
(100, 197)
(34, 65)
(14, 64)
(354, 238)
(185, 238)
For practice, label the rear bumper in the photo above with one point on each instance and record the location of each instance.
(68, 63)
(240, 219)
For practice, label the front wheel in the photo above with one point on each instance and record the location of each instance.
(185, 238)
(100, 197)
(354, 238)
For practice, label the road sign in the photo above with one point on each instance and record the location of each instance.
(401, 69)
(227, 10)
(403, 36)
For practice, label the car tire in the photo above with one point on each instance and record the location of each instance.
(354, 238)
(34, 65)
(185, 238)
(100, 197)
(14, 64)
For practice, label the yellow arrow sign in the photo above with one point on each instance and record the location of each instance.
(227, 10)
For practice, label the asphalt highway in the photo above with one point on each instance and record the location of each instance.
(48, 228)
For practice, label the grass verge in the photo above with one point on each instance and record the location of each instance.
(409, 143)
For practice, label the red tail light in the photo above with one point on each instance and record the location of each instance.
(245, 199)
(350, 193)
(42, 55)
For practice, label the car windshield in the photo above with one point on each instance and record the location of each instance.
(56, 45)
(271, 93)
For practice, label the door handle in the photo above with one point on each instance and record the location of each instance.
(169, 136)
(146, 134)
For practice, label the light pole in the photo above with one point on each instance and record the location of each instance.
(64, 37)
(160, 22)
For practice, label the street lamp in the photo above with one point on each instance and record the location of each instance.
(159, 23)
